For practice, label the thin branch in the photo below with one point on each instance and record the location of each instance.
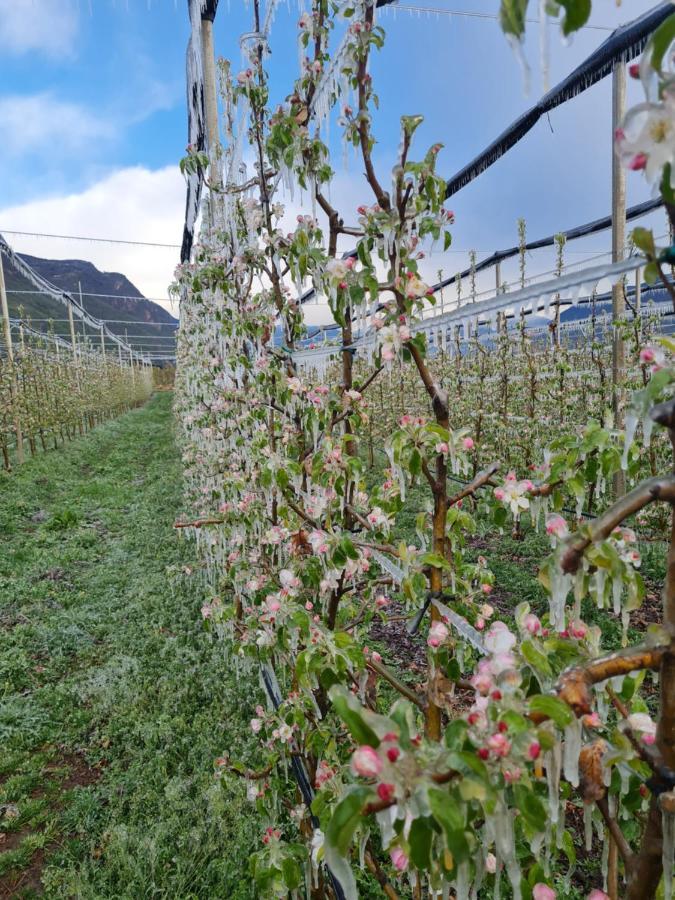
(479, 481)
(662, 488)
(574, 685)
(622, 845)
(402, 688)
(198, 523)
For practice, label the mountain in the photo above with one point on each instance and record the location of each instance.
(123, 303)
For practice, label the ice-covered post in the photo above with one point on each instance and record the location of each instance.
(7, 330)
(618, 241)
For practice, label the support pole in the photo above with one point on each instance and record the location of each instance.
(210, 89)
(618, 243)
(7, 331)
(73, 341)
(498, 277)
(102, 342)
(211, 104)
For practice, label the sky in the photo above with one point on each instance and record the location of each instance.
(93, 125)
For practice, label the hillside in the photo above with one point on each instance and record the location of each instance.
(124, 302)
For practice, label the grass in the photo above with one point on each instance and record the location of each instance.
(114, 702)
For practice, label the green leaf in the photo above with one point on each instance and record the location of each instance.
(339, 833)
(553, 708)
(643, 238)
(661, 40)
(530, 807)
(351, 716)
(455, 734)
(450, 816)
(512, 17)
(576, 14)
(651, 273)
(535, 658)
(291, 872)
(435, 560)
(419, 839)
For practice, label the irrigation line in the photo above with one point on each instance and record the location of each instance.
(273, 690)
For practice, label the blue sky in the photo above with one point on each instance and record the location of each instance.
(93, 124)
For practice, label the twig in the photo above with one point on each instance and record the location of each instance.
(402, 688)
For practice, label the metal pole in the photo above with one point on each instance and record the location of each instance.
(7, 330)
(498, 277)
(618, 243)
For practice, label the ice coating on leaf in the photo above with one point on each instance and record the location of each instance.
(561, 583)
(463, 628)
(389, 567)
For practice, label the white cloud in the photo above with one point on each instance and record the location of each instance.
(49, 26)
(40, 123)
(135, 204)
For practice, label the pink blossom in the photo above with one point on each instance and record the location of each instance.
(443, 448)
(578, 629)
(366, 762)
(638, 162)
(256, 725)
(486, 588)
(500, 494)
(534, 750)
(482, 681)
(437, 634)
(532, 623)
(597, 894)
(499, 744)
(543, 892)
(556, 526)
(491, 863)
(399, 859)
(499, 639)
(381, 601)
(386, 792)
(592, 720)
(468, 443)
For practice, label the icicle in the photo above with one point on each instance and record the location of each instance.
(552, 761)
(668, 852)
(630, 429)
(600, 579)
(543, 45)
(588, 826)
(572, 750)
(462, 881)
(617, 590)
